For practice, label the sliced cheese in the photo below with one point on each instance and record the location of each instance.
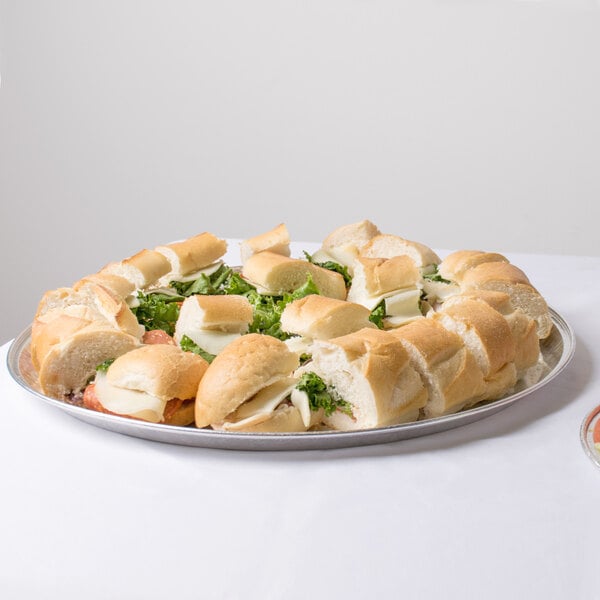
(300, 400)
(129, 402)
(209, 270)
(211, 341)
(264, 403)
(299, 344)
(438, 290)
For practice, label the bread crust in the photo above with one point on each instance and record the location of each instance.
(279, 274)
(162, 370)
(456, 264)
(193, 254)
(218, 313)
(244, 367)
(276, 240)
(352, 234)
(142, 269)
(321, 318)
(388, 246)
(382, 275)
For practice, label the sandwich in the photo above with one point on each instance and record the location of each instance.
(448, 368)
(367, 381)
(274, 274)
(388, 287)
(390, 246)
(317, 317)
(156, 383)
(207, 324)
(343, 245)
(276, 240)
(457, 263)
(488, 336)
(506, 277)
(247, 388)
(66, 348)
(142, 269)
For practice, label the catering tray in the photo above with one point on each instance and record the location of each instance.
(557, 351)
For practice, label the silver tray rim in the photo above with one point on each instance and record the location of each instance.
(312, 440)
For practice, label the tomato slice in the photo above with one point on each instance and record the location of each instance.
(596, 432)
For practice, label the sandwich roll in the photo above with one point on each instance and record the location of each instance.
(395, 280)
(322, 318)
(118, 286)
(191, 257)
(343, 244)
(275, 274)
(276, 240)
(507, 278)
(389, 246)
(447, 367)
(369, 374)
(456, 264)
(155, 383)
(143, 269)
(523, 328)
(70, 349)
(104, 307)
(213, 322)
(246, 366)
(488, 336)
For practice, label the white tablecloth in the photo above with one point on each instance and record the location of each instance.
(508, 507)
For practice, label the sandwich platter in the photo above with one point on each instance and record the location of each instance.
(557, 350)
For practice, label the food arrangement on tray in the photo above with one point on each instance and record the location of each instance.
(371, 330)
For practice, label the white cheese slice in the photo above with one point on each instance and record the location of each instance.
(299, 344)
(300, 400)
(438, 290)
(211, 341)
(129, 402)
(371, 302)
(209, 270)
(264, 403)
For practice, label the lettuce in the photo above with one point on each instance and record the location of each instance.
(332, 266)
(378, 314)
(205, 284)
(157, 311)
(322, 396)
(435, 276)
(188, 345)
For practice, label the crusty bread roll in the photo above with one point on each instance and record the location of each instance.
(70, 349)
(239, 372)
(322, 318)
(191, 255)
(103, 306)
(488, 336)
(523, 328)
(507, 278)
(388, 246)
(276, 274)
(448, 368)
(395, 280)
(212, 322)
(370, 370)
(142, 269)
(155, 383)
(456, 264)
(118, 286)
(276, 240)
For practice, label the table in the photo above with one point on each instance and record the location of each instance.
(507, 507)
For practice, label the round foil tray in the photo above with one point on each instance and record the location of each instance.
(590, 435)
(557, 351)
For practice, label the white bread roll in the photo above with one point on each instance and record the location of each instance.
(156, 383)
(507, 278)
(118, 286)
(103, 306)
(212, 322)
(70, 349)
(456, 264)
(448, 368)
(322, 318)
(395, 280)
(388, 246)
(343, 244)
(274, 274)
(238, 373)
(142, 269)
(488, 336)
(276, 240)
(370, 371)
(191, 255)
(523, 328)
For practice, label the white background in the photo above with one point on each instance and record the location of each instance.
(128, 124)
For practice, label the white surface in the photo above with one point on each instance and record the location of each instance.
(461, 124)
(507, 507)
